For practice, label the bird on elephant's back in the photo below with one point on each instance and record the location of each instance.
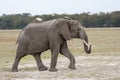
(36, 38)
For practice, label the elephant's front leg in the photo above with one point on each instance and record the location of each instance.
(65, 51)
(54, 56)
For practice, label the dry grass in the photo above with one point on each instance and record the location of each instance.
(105, 41)
(102, 64)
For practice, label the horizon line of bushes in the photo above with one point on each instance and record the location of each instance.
(19, 21)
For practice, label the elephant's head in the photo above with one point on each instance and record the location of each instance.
(73, 29)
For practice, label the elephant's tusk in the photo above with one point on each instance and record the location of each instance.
(85, 43)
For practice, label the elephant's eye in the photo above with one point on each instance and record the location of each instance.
(78, 29)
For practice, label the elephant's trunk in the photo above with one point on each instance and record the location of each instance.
(87, 46)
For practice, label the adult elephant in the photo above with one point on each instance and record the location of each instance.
(36, 38)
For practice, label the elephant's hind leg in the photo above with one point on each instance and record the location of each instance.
(19, 54)
(40, 65)
(15, 65)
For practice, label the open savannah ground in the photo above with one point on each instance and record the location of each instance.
(102, 64)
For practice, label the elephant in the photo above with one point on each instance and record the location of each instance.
(36, 38)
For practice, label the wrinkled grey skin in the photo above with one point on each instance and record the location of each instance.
(36, 38)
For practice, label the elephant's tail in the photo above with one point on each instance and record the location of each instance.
(16, 42)
(18, 38)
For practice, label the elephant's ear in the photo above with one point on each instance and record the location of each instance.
(63, 28)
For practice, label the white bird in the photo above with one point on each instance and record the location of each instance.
(66, 17)
(38, 19)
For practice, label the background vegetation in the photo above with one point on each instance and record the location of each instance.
(18, 21)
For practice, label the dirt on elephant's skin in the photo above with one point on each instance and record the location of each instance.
(87, 68)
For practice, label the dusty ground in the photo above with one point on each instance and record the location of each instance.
(89, 67)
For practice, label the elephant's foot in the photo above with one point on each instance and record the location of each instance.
(72, 67)
(43, 68)
(14, 70)
(53, 69)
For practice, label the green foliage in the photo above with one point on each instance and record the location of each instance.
(18, 21)
(15, 21)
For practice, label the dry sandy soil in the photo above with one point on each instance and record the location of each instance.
(88, 67)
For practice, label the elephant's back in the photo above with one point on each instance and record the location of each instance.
(39, 31)
(38, 36)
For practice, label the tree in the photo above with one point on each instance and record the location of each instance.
(18, 21)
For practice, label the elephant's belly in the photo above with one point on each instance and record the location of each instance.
(38, 47)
